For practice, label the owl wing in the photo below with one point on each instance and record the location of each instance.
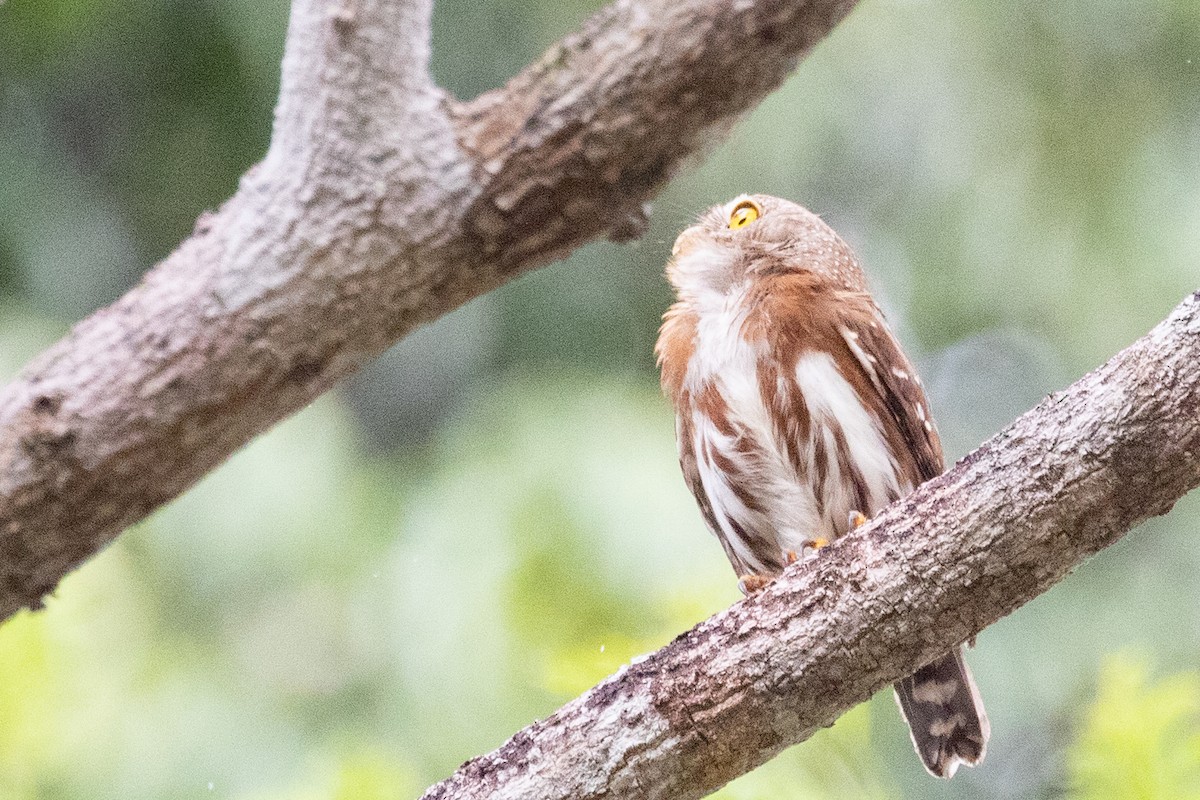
(894, 386)
(940, 701)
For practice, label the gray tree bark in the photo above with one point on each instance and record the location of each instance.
(1006, 523)
(380, 205)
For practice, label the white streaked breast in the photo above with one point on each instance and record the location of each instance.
(832, 400)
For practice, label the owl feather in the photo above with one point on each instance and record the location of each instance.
(797, 413)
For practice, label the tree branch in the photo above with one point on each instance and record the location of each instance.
(381, 204)
(1010, 520)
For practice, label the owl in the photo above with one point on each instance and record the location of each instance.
(798, 416)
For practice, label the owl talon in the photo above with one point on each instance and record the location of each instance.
(752, 584)
(857, 519)
(813, 545)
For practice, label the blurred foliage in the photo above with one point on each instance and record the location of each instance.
(1140, 740)
(490, 519)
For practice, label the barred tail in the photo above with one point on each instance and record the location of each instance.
(944, 714)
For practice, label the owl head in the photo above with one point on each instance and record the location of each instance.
(755, 236)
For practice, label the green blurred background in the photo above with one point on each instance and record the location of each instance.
(490, 519)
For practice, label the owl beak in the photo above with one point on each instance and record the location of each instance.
(687, 241)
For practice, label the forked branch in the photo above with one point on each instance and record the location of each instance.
(381, 205)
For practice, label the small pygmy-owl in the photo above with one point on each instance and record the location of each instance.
(798, 416)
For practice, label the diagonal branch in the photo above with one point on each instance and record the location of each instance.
(381, 204)
(1065, 480)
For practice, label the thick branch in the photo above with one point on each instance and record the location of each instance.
(380, 205)
(1010, 520)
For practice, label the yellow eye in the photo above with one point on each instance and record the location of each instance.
(743, 214)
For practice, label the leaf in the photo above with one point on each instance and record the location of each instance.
(1140, 738)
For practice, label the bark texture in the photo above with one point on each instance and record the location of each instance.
(1011, 519)
(380, 205)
